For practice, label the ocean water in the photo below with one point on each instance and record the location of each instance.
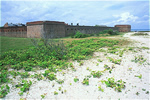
(140, 29)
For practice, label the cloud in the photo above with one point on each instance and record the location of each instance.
(125, 17)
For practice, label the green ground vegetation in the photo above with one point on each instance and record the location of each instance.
(50, 54)
(14, 43)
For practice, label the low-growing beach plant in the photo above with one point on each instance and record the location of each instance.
(139, 59)
(65, 91)
(81, 63)
(14, 73)
(96, 74)
(129, 68)
(102, 50)
(100, 88)
(87, 68)
(116, 61)
(51, 76)
(144, 89)
(76, 79)
(24, 74)
(139, 76)
(72, 67)
(38, 76)
(46, 73)
(60, 81)
(85, 81)
(55, 93)
(4, 90)
(110, 70)
(59, 88)
(121, 53)
(137, 93)
(113, 50)
(97, 64)
(131, 48)
(24, 86)
(145, 48)
(4, 76)
(99, 60)
(147, 92)
(106, 67)
(43, 95)
(117, 85)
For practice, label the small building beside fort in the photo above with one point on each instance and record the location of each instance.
(53, 29)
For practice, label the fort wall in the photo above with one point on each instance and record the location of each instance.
(54, 29)
(34, 31)
(123, 28)
(20, 31)
(87, 29)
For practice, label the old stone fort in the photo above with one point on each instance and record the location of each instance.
(53, 29)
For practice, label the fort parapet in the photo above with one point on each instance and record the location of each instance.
(54, 29)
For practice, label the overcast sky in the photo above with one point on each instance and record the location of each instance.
(110, 13)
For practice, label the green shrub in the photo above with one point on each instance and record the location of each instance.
(72, 35)
(80, 35)
(110, 31)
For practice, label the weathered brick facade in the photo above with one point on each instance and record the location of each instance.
(34, 31)
(19, 31)
(123, 28)
(51, 29)
(54, 29)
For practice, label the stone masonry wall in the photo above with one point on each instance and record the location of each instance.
(50, 29)
(14, 34)
(87, 29)
(34, 31)
(54, 30)
(20, 31)
(123, 28)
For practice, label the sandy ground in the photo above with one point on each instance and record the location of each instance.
(71, 90)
